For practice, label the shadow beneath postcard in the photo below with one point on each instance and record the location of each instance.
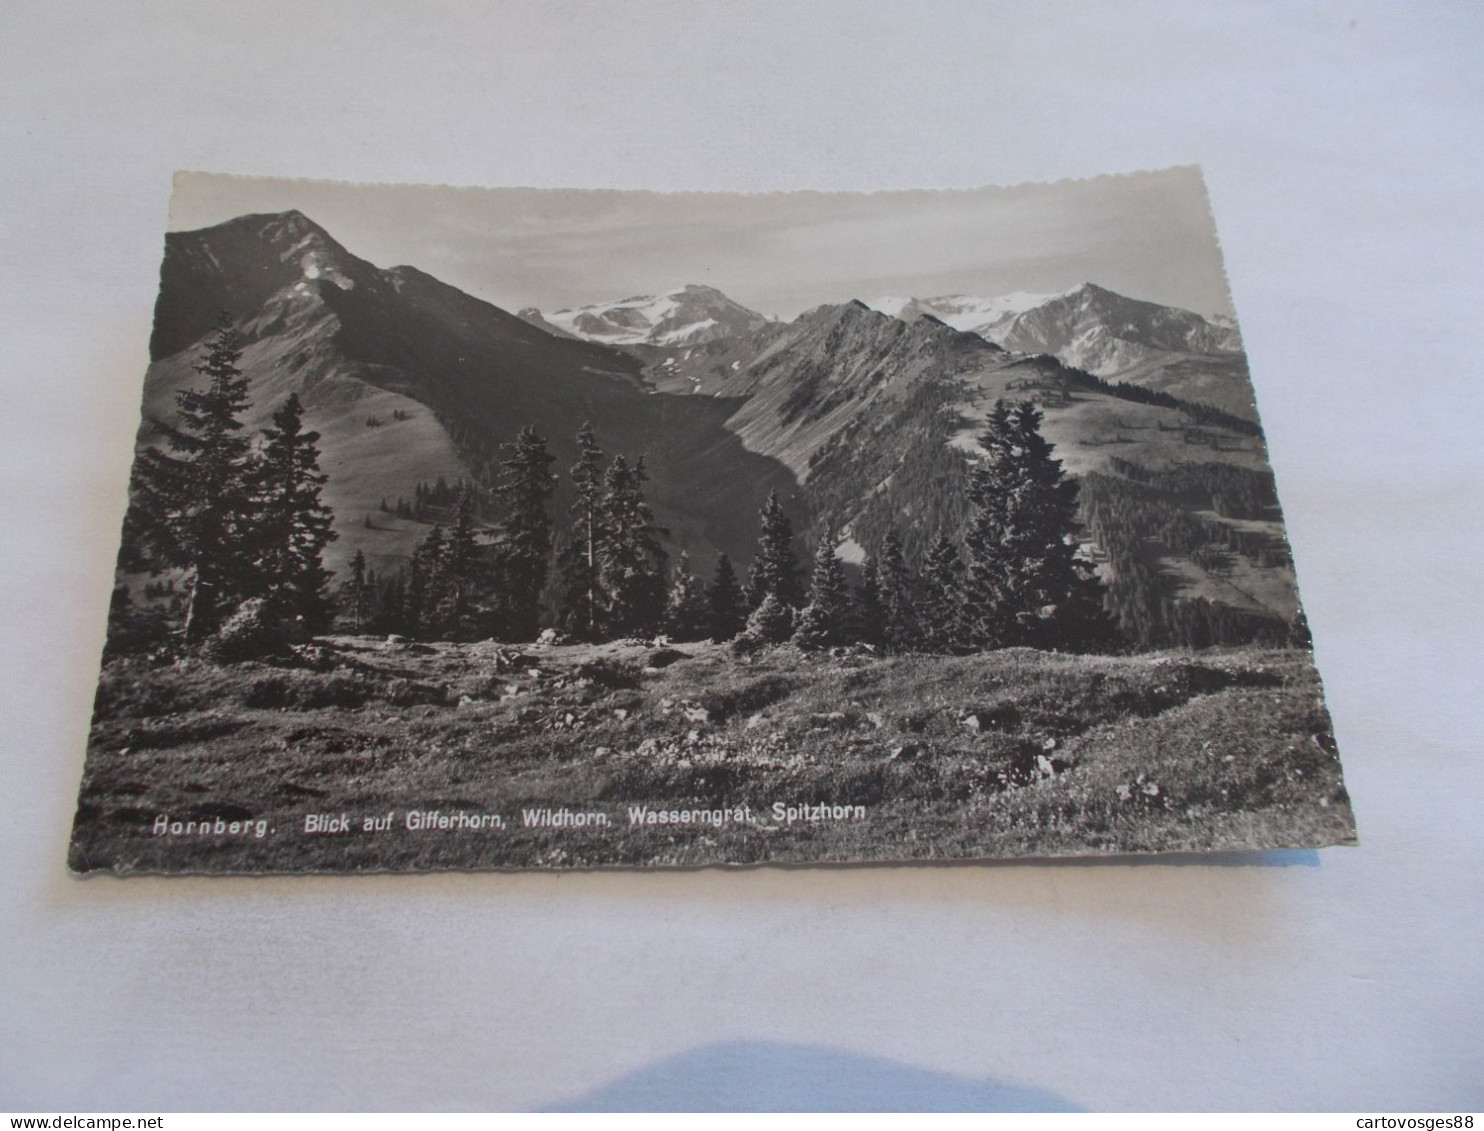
(773, 1076)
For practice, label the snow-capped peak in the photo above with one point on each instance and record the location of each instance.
(891, 306)
(963, 312)
(683, 316)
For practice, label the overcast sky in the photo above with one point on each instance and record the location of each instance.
(1146, 235)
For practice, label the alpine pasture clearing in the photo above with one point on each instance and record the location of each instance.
(1015, 753)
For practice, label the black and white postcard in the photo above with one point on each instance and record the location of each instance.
(547, 529)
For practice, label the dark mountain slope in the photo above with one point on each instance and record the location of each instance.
(835, 363)
(860, 406)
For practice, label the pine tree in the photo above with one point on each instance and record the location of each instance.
(389, 611)
(728, 608)
(358, 591)
(425, 586)
(524, 535)
(631, 562)
(992, 485)
(133, 628)
(775, 566)
(1027, 583)
(825, 619)
(772, 622)
(899, 615)
(870, 617)
(414, 597)
(294, 524)
(462, 575)
(191, 504)
(942, 596)
(687, 609)
(582, 591)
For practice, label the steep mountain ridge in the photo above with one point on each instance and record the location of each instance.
(834, 363)
(1093, 323)
(239, 266)
(1158, 347)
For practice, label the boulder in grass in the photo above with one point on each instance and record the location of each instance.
(407, 693)
(253, 632)
(509, 659)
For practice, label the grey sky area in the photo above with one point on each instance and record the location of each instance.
(1146, 235)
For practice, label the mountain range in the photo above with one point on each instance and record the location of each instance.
(1088, 327)
(857, 416)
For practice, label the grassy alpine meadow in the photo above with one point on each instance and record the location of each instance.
(363, 755)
